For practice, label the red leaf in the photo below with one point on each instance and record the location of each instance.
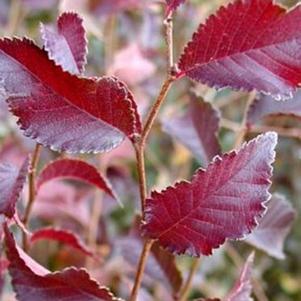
(247, 45)
(12, 181)
(220, 203)
(67, 44)
(243, 287)
(266, 106)
(74, 169)
(172, 5)
(92, 116)
(197, 130)
(273, 228)
(74, 284)
(63, 236)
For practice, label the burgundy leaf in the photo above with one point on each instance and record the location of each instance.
(67, 44)
(273, 228)
(74, 169)
(266, 106)
(92, 116)
(172, 5)
(220, 203)
(33, 284)
(63, 236)
(197, 130)
(247, 45)
(12, 181)
(243, 287)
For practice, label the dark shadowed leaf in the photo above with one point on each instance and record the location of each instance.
(265, 106)
(160, 265)
(31, 282)
(60, 110)
(66, 44)
(74, 169)
(197, 129)
(220, 203)
(172, 5)
(63, 236)
(12, 180)
(273, 228)
(249, 45)
(243, 287)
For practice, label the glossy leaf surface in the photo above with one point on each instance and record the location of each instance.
(60, 110)
(220, 203)
(247, 45)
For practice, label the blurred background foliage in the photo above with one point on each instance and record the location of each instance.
(128, 41)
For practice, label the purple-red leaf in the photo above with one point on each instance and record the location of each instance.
(172, 5)
(67, 44)
(243, 287)
(266, 106)
(273, 228)
(12, 181)
(60, 110)
(220, 203)
(247, 45)
(74, 169)
(63, 236)
(197, 130)
(35, 284)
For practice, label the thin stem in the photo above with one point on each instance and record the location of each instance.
(141, 266)
(140, 147)
(93, 225)
(31, 182)
(243, 131)
(31, 189)
(187, 285)
(155, 110)
(168, 22)
(141, 176)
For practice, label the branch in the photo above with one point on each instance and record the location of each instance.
(187, 285)
(140, 147)
(31, 189)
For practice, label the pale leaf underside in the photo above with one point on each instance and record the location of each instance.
(12, 181)
(274, 227)
(66, 44)
(266, 106)
(197, 129)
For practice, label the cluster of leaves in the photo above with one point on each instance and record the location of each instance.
(247, 45)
